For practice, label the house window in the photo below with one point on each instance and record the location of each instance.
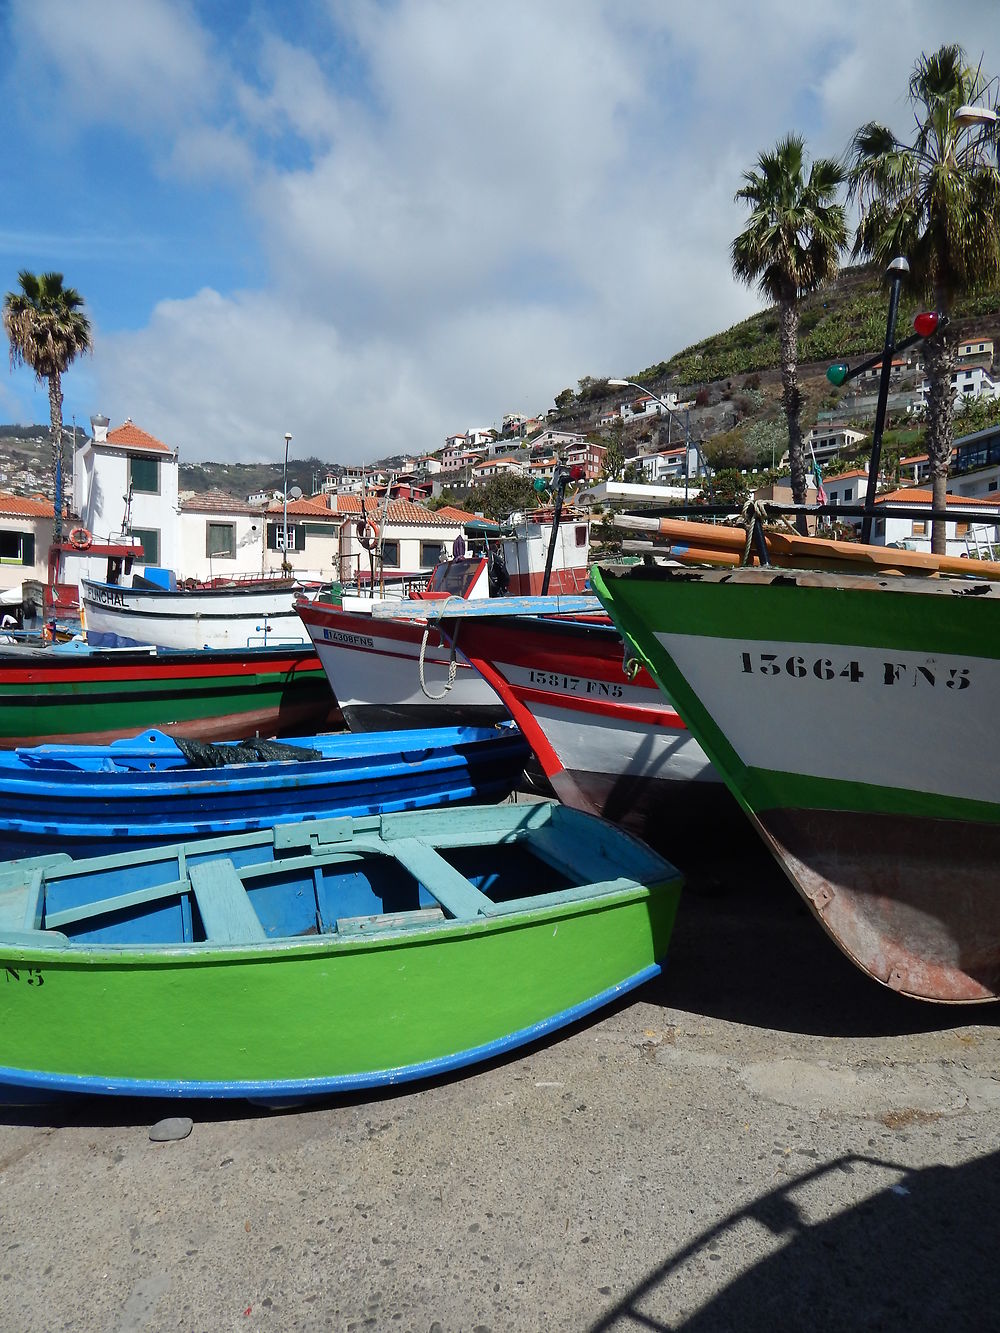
(220, 540)
(961, 529)
(390, 554)
(919, 528)
(581, 534)
(848, 493)
(276, 537)
(144, 475)
(431, 552)
(17, 548)
(149, 539)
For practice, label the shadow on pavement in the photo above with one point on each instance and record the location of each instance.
(918, 1253)
(746, 948)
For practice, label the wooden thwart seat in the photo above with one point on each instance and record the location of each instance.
(454, 892)
(226, 912)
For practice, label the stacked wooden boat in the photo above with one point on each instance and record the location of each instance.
(154, 788)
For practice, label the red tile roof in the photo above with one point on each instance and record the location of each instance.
(843, 476)
(304, 508)
(921, 497)
(129, 436)
(399, 511)
(495, 462)
(456, 515)
(218, 502)
(22, 506)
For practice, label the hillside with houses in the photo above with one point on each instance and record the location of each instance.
(666, 427)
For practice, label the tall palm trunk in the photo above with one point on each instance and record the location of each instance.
(55, 419)
(791, 399)
(939, 362)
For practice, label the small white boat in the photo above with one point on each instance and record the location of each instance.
(250, 613)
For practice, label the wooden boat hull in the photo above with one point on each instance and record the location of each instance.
(363, 1002)
(373, 667)
(608, 742)
(141, 792)
(848, 714)
(240, 616)
(95, 697)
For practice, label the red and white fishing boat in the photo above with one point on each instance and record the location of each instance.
(388, 674)
(607, 739)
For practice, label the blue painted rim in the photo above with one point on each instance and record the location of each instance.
(297, 1089)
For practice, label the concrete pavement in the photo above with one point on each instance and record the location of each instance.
(761, 1139)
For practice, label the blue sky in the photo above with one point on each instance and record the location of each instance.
(375, 224)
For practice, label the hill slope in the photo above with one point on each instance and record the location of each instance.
(733, 377)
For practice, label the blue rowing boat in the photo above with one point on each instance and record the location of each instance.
(152, 788)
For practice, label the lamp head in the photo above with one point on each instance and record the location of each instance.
(898, 268)
(288, 436)
(966, 116)
(618, 384)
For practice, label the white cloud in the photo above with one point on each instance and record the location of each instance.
(129, 62)
(497, 201)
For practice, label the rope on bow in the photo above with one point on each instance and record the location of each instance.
(754, 512)
(452, 665)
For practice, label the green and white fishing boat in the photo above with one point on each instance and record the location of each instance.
(851, 715)
(320, 957)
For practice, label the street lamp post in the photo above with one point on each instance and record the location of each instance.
(285, 565)
(631, 384)
(896, 272)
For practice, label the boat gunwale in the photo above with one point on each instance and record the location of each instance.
(16, 948)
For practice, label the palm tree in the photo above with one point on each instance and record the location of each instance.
(791, 244)
(47, 330)
(936, 201)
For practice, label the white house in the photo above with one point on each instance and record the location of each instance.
(216, 535)
(480, 437)
(897, 367)
(542, 467)
(664, 465)
(222, 536)
(645, 405)
(827, 441)
(556, 440)
(915, 533)
(26, 528)
(966, 382)
(488, 468)
(846, 488)
(125, 479)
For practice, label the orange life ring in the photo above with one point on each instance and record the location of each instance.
(80, 538)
